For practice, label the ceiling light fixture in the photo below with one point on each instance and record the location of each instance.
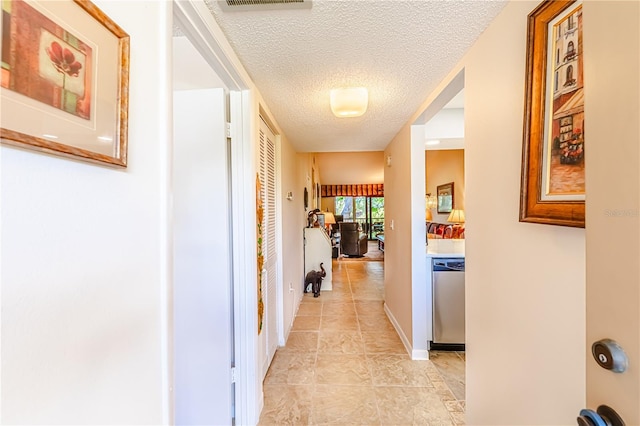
(433, 142)
(349, 101)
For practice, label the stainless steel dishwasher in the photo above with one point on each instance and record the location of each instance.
(448, 303)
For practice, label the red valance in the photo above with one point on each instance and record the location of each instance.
(353, 190)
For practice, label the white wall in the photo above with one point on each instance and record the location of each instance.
(525, 283)
(85, 331)
(83, 255)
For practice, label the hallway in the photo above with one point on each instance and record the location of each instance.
(345, 364)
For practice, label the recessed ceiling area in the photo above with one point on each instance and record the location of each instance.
(446, 129)
(400, 50)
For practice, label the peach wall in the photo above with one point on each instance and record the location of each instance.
(293, 221)
(525, 283)
(444, 166)
(397, 241)
(347, 168)
(351, 167)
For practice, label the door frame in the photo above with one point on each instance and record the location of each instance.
(421, 317)
(197, 23)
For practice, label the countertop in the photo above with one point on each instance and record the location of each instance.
(445, 248)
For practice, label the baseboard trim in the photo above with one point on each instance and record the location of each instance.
(417, 354)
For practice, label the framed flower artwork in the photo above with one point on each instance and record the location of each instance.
(64, 82)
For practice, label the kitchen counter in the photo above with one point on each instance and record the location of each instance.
(445, 248)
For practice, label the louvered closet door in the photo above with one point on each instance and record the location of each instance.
(269, 278)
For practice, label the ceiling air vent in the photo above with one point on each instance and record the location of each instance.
(246, 5)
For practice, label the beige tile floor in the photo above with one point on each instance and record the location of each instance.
(344, 363)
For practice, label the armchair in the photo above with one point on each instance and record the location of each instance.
(352, 241)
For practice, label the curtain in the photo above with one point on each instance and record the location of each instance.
(353, 190)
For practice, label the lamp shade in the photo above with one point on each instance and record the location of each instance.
(429, 215)
(349, 101)
(329, 218)
(431, 201)
(456, 216)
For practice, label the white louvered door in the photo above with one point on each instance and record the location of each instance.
(267, 172)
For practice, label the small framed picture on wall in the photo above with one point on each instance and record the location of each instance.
(445, 198)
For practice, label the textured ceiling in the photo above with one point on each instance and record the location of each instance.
(400, 50)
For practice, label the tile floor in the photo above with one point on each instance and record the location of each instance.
(344, 363)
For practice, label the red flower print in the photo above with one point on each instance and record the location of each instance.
(64, 61)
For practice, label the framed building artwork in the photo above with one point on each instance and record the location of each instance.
(553, 168)
(65, 80)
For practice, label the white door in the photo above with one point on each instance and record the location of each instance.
(202, 279)
(267, 173)
(612, 126)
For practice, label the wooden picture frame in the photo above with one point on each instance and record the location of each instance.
(65, 80)
(445, 198)
(552, 182)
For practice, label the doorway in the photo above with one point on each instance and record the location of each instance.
(202, 285)
(367, 211)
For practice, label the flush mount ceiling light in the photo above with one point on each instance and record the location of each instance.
(349, 101)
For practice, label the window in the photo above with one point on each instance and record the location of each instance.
(570, 80)
(377, 215)
(344, 206)
(367, 211)
(571, 52)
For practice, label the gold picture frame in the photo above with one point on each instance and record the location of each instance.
(57, 94)
(552, 182)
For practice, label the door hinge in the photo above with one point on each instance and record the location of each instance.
(233, 374)
(228, 129)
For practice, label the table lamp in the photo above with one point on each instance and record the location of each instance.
(430, 202)
(456, 217)
(329, 219)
